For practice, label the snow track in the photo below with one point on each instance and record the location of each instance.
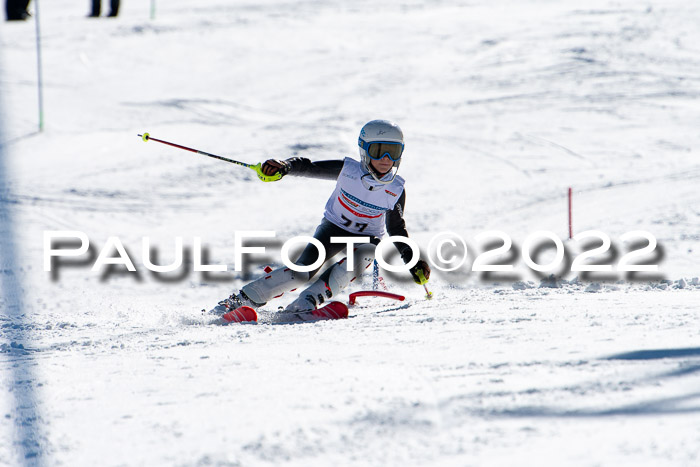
(470, 375)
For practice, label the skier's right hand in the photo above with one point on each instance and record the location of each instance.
(273, 166)
(420, 272)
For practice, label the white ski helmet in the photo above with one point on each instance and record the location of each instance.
(378, 139)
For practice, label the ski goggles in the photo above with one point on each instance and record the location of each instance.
(379, 149)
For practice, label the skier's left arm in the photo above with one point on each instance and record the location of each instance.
(396, 225)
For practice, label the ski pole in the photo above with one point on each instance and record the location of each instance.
(424, 283)
(257, 168)
(428, 293)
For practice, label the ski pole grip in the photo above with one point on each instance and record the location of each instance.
(421, 277)
(265, 178)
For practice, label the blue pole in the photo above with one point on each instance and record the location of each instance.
(375, 276)
(39, 71)
(27, 446)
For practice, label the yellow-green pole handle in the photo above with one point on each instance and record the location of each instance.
(265, 178)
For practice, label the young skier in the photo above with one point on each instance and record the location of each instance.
(368, 197)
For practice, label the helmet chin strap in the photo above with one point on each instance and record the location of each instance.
(370, 181)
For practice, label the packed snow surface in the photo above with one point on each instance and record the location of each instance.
(504, 106)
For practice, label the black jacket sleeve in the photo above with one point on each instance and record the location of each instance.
(396, 225)
(303, 167)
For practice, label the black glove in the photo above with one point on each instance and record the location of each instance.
(422, 267)
(273, 166)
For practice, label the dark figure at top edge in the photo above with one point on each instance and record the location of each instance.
(16, 10)
(97, 8)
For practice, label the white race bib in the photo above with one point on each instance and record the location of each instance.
(360, 207)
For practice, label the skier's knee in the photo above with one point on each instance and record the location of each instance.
(275, 283)
(364, 256)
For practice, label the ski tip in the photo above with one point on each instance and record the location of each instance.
(244, 314)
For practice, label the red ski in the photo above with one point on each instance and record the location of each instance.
(374, 293)
(334, 310)
(244, 314)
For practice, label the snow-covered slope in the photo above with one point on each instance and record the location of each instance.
(505, 105)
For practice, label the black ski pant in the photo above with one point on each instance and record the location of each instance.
(16, 9)
(323, 233)
(97, 8)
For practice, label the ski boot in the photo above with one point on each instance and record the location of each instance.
(236, 300)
